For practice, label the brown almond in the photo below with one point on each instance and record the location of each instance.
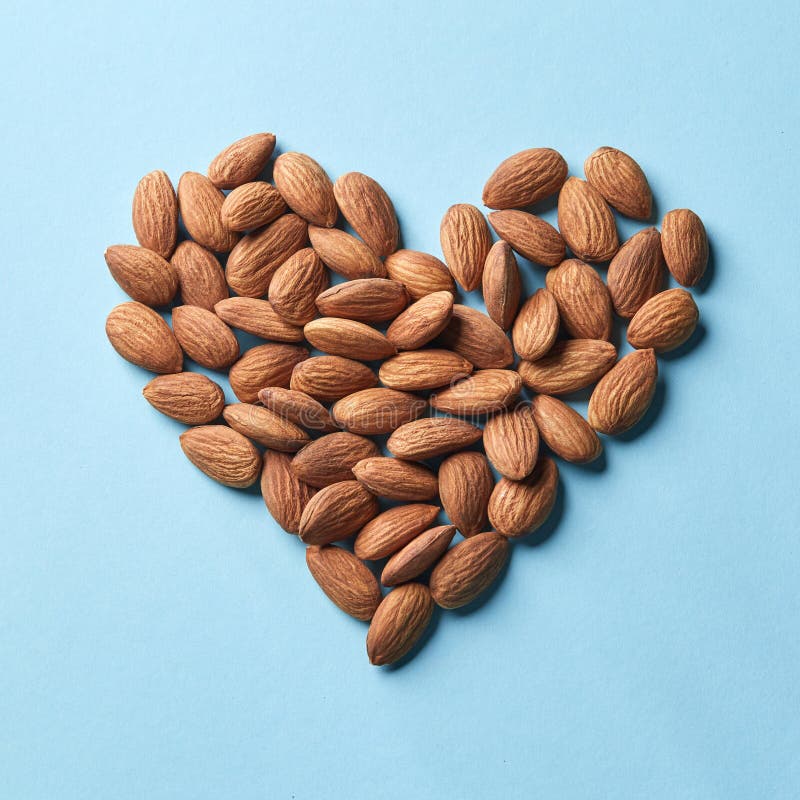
(685, 245)
(536, 326)
(331, 458)
(620, 180)
(416, 370)
(584, 303)
(485, 391)
(525, 178)
(511, 440)
(345, 255)
(465, 485)
(204, 337)
(329, 378)
(419, 554)
(502, 286)
(188, 397)
(395, 479)
(370, 212)
(636, 272)
(365, 300)
(586, 221)
(143, 275)
(565, 431)
(296, 284)
(347, 337)
(517, 508)
(285, 495)
(262, 366)
(569, 366)
(422, 321)
(345, 579)
(252, 205)
(200, 275)
(430, 437)
(399, 622)
(393, 529)
(420, 273)
(306, 187)
(375, 411)
(200, 205)
(242, 161)
(476, 337)
(531, 236)
(664, 322)
(336, 512)
(298, 408)
(466, 241)
(142, 337)
(258, 318)
(265, 427)
(222, 454)
(155, 213)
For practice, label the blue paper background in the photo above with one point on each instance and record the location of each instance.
(161, 638)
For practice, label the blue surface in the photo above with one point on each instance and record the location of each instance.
(161, 638)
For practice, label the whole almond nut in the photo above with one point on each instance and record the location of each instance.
(624, 394)
(399, 622)
(416, 370)
(265, 427)
(330, 459)
(375, 411)
(584, 303)
(337, 512)
(536, 326)
(200, 275)
(298, 408)
(200, 205)
(420, 273)
(222, 454)
(188, 397)
(345, 579)
(502, 286)
(664, 322)
(204, 337)
(620, 180)
(365, 300)
(395, 479)
(531, 236)
(143, 275)
(511, 440)
(242, 161)
(419, 554)
(525, 178)
(466, 241)
(252, 205)
(485, 391)
(258, 318)
(347, 337)
(262, 366)
(568, 366)
(565, 431)
(295, 286)
(517, 508)
(468, 569)
(471, 334)
(465, 485)
(393, 529)
(306, 187)
(431, 437)
(370, 212)
(636, 272)
(142, 337)
(345, 255)
(155, 213)
(285, 495)
(329, 378)
(586, 222)
(422, 321)
(685, 244)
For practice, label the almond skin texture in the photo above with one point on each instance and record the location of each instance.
(569, 366)
(565, 431)
(502, 287)
(188, 397)
(584, 303)
(298, 408)
(511, 440)
(466, 241)
(375, 411)
(330, 459)
(222, 454)
(285, 495)
(483, 392)
(419, 554)
(468, 569)
(142, 337)
(416, 370)
(465, 485)
(155, 213)
(621, 182)
(329, 378)
(685, 244)
(516, 508)
(431, 437)
(531, 236)
(253, 261)
(265, 427)
(345, 255)
(295, 286)
(204, 337)
(525, 178)
(624, 394)
(636, 272)
(399, 622)
(262, 366)
(420, 273)
(664, 322)
(347, 337)
(370, 212)
(393, 529)
(346, 581)
(422, 321)
(395, 479)
(143, 275)
(536, 326)
(336, 512)
(242, 161)
(306, 188)
(200, 275)
(365, 300)
(252, 205)
(200, 205)
(471, 334)
(586, 221)
(258, 318)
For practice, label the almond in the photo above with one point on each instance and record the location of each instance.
(399, 622)
(685, 244)
(155, 213)
(565, 431)
(620, 180)
(189, 397)
(466, 241)
(420, 273)
(253, 261)
(586, 222)
(143, 275)
(531, 236)
(511, 440)
(419, 554)
(365, 300)
(329, 378)
(306, 187)
(347, 337)
(265, 427)
(298, 408)
(200, 275)
(285, 495)
(525, 178)
(345, 579)
(502, 286)
(142, 337)
(517, 508)
(468, 569)
(204, 337)
(336, 512)
(422, 321)
(476, 337)
(222, 454)
(636, 272)
(262, 366)
(431, 437)
(200, 204)
(242, 161)
(295, 286)
(584, 303)
(375, 411)
(415, 370)
(536, 326)
(252, 205)
(395, 479)
(393, 529)
(370, 212)
(465, 484)
(624, 394)
(345, 255)
(665, 321)
(331, 458)
(258, 318)
(483, 392)
(569, 366)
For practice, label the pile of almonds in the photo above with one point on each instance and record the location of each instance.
(395, 344)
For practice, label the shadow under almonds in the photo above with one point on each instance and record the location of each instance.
(695, 339)
(482, 599)
(598, 465)
(708, 276)
(548, 527)
(420, 644)
(650, 417)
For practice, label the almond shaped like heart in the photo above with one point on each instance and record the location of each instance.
(636, 272)
(143, 274)
(525, 178)
(665, 321)
(472, 334)
(430, 437)
(421, 322)
(517, 508)
(331, 458)
(368, 209)
(685, 245)
(466, 241)
(584, 303)
(393, 529)
(344, 254)
(257, 317)
(189, 397)
(347, 337)
(465, 485)
(296, 284)
(264, 365)
(569, 366)
(536, 326)
(399, 622)
(299, 408)
(242, 161)
(306, 188)
(265, 427)
(200, 275)
(421, 273)
(416, 370)
(375, 411)
(565, 431)
(285, 495)
(345, 580)
(155, 213)
(252, 205)
(531, 236)
(204, 337)
(200, 204)
(142, 337)
(620, 180)
(511, 441)
(337, 512)
(586, 221)
(502, 286)
(223, 454)
(395, 479)
(484, 392)
(330, 378)
(420, 553)
(365, 300)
